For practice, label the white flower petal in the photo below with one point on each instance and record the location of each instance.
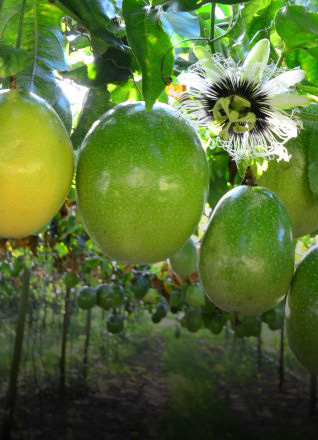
(213, 69)
(193, 80)
(285, 80)
(288, 100)
(257, 60)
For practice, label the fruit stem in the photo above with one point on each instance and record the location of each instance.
(248, 179)
(13, 82)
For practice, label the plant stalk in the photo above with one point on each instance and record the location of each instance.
(212, 26)
(87, 338)
(313, 395)
(66, 322)
(16, 359)
(259, 352)
(20, 27)
(281, 361)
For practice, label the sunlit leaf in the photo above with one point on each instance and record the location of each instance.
(150, 45)
(296, 26)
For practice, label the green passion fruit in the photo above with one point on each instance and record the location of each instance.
(86, 298)
(247, 253)
(302, 312)
(195, 296)
(185, 261)
(289, 180)
(115, 323)
(142, 181)
(36, 163)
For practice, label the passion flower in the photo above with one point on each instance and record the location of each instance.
(246, 104)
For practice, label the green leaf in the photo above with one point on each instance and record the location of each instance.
(190, 5)
(44, 45)
(312, 90)
(301, 58)
(95, 105)
(112, 66)
(252, 7)
(126, 92)
(296, 26)
(97, 16)
(42, 37)
(12, 60)
(262, 21)
(151, 46)
(182, 23)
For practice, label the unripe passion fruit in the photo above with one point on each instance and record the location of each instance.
(247, 253)
(142, 181)
(302, 312)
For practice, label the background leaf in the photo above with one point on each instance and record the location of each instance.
(302, 58)
(95, 105)
(296, 26)
(181, 23)
(12, 60)
(97, 16)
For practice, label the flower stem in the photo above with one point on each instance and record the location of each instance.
(280, 59)
(213, 5)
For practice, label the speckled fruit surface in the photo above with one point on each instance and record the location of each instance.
(289, 180)
(247, 253)
(302, 312)
(142, 181)
(36, 163)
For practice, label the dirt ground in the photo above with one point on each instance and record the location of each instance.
(134, 405)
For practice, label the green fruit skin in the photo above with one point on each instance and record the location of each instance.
(302, 312)
(185, 261)
(152, 296)
(115, 323)
(142, 181)
(140, 286)
(176, 299)
(195, 296)
(104, 296)
(247, 253)
(87, 298)
(193, 319)
(289, 180)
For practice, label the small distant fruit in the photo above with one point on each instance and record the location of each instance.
(86, 298)
(195, 296)
(185, 261)
(115, 323)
